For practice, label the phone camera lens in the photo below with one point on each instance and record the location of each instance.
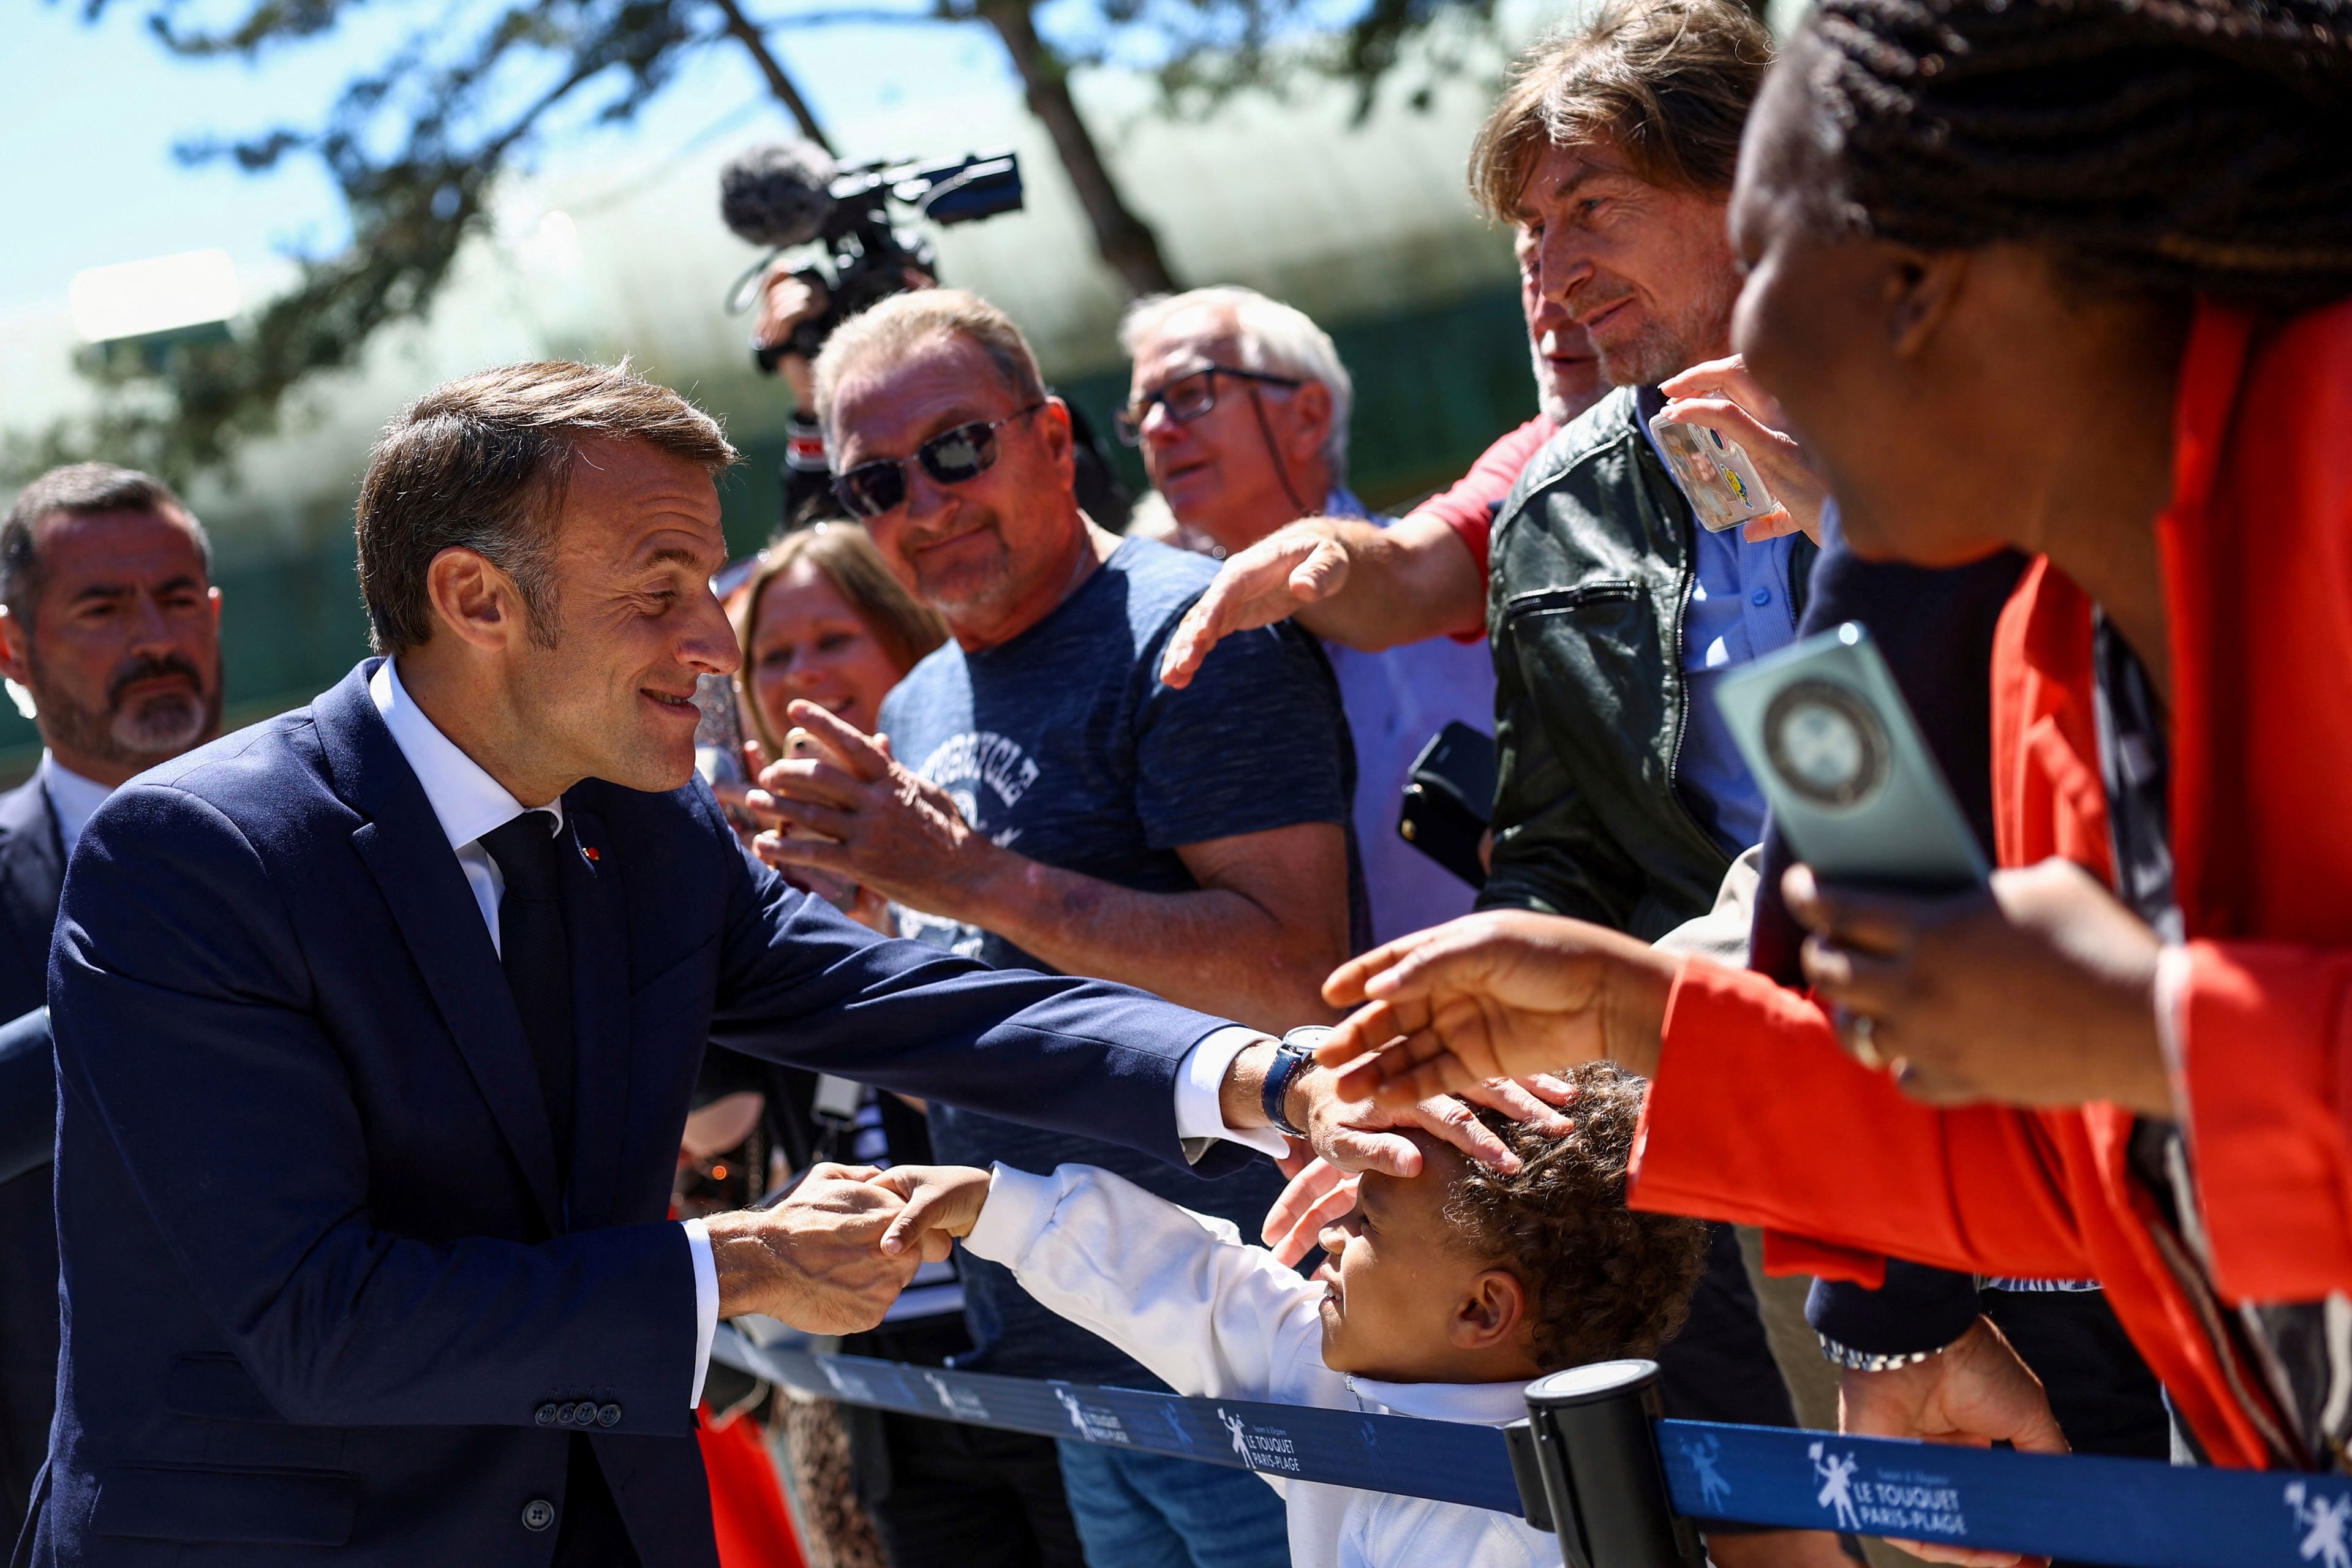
(1825, 743)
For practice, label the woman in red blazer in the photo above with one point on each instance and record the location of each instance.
(2075, 279)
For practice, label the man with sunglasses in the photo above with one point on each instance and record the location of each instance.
(1042, 800)
(1240, 405)
(791, 296)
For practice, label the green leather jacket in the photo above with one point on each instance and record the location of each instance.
(1590, 578)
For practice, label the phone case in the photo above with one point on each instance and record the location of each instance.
(719, 730)
(1825, 731)
(1716, 475)
(1449, 799)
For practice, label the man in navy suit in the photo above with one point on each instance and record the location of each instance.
(109, 620)
(376, 1027)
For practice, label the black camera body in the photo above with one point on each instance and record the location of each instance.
(859, 215)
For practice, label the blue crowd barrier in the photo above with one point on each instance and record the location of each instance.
(2132, 1513)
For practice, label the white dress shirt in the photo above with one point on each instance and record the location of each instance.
(1214, 1318)
(73, 799)
(469, 803)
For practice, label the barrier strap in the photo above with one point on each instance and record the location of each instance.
(2132, 1513)
(1442, 1459)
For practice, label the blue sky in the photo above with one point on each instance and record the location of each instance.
(94, 111)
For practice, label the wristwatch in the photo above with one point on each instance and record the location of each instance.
(1854, 1360)
(1293, 1055)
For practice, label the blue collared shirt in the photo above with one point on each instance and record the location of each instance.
(1739, 610)
(1395, 701)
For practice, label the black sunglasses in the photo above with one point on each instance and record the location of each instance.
(950, 458)
(1187, 399)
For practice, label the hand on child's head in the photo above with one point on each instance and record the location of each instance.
(942, 1202)
(1405, 1300)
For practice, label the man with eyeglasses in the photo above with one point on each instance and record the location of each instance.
(1240, 404)
(1042, 800)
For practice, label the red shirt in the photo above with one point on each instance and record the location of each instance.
(1758, 1117)
(1469, 507)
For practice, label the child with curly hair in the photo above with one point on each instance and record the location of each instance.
(1442, 1297)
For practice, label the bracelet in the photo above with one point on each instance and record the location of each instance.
(1293, 1055)
(1854, 1360)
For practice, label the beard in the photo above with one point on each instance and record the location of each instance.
(135, 732)
(1550, 400)
(1668, 343)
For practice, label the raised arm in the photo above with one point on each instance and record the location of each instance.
(1177, 1291)
(1346, 581)
(1254, 941)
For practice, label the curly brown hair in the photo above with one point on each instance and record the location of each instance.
(1604, 1280)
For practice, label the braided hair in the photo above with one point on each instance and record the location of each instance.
(2171, 147)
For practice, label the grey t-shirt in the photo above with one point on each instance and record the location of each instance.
(1064, 745)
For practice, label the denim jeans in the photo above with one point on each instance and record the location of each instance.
(1146, 1511)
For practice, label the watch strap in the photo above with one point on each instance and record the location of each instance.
(1293, 1054)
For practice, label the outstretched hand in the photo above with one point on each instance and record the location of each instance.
(813, 1261)
(1360, 1135)
(1498, 994)
(1299, 565)
(1320, 1192)
(943, 1202)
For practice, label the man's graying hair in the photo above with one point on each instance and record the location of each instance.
(79, 489)
(1669, 82)
(1270, 336)
(481, 463)
(898, 325)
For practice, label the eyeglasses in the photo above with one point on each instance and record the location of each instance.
(950, 458)
(1187, 399)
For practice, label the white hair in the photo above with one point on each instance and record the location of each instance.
(1270, 337)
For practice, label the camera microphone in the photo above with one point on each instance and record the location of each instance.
(778, 195)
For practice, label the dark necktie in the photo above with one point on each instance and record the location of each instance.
(535, 949)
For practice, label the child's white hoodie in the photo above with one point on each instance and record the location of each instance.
(1180, 1293)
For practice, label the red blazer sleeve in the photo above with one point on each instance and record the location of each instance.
(2265, 1034)
(1756, 1117)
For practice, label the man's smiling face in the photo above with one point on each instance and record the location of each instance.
(1645, 271)
(638, 541)
(985, 552)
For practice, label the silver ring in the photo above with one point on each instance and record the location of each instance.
(1861, 1029)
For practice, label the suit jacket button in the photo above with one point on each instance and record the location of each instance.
(546, 1414)
(565, 1412)
(538, 1513)
(610, 1416)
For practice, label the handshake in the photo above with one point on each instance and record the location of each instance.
(832, 1257)
(834, 1254)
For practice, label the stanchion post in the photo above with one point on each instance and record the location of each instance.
(1588, 1470)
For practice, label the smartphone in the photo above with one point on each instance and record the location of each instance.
(1715, 474)
(719, 732)
(1449, 799)
(1825, 731)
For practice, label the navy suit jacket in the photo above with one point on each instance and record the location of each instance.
(321, 1281)
(32, 867)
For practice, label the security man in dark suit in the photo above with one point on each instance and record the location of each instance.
(376, 1027)
(109, 620)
